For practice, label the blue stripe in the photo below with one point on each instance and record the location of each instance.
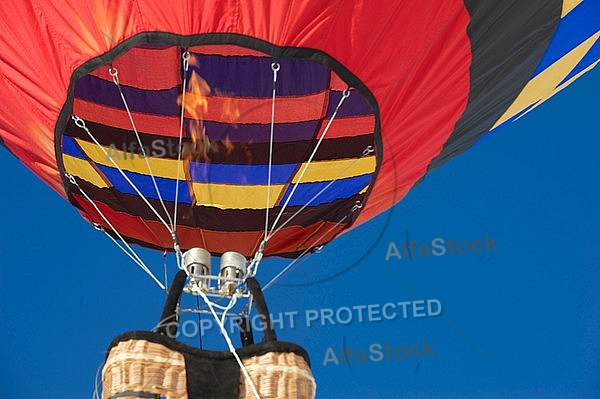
(577, 26)
(70, 147)
(253, 76)
(145, 185)
(241, 174)
(343, 188)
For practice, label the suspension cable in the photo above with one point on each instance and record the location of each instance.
(275, 68)
(367, 151)
(345, 95)
(112, 71)
(221, 324)
(185, 60)
(81, 124)
(291, 264)
(130, 251)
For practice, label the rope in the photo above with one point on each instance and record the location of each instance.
(345, 95)
(232, 349)
(185, 60)
(81, 124)
(228, 340)
(291, 264)
(366, 152)
(131, 253)
(112, 71)
(275, 68)
(97, 382)
(199, 323)
(221, 324)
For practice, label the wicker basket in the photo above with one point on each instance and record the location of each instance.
(279, 375)
(153, 365)
(137, 367)
(141, 367)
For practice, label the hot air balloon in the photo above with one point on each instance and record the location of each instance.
(249, 130)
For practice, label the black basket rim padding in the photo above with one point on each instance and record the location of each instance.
(224, 355)
(262, 309)
(169, 321)
(246, 334)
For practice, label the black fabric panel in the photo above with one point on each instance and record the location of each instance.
(508, 40)
(220, 219)
(212, 379)
(236, 154)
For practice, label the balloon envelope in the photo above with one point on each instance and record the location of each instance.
(319, 114)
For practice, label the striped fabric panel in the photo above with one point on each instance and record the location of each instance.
(574, 49)
(212, 218)
(291, 240)
(225, 147)
(346, 138)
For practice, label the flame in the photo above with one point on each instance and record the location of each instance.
(230, 112)
(196, 106)
(197, 96)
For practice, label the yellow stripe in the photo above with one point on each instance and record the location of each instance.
(340, 169)
(131, 162)
(575, 77)
(83, 169)
(228, 196)
(562, 86)
(364, 190)
(544, 85)
(569, 5)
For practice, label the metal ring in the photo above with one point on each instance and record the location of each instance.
(79, 122)
(369, 150)
(70, 178)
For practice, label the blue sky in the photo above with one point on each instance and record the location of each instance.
(519, 319)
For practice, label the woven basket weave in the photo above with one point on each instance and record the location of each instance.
(279, 375)
(154, 365)
(142, 368)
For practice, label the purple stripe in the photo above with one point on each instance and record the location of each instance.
(355, 105)
(157, 102)
(259, 133)
(253, 76)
